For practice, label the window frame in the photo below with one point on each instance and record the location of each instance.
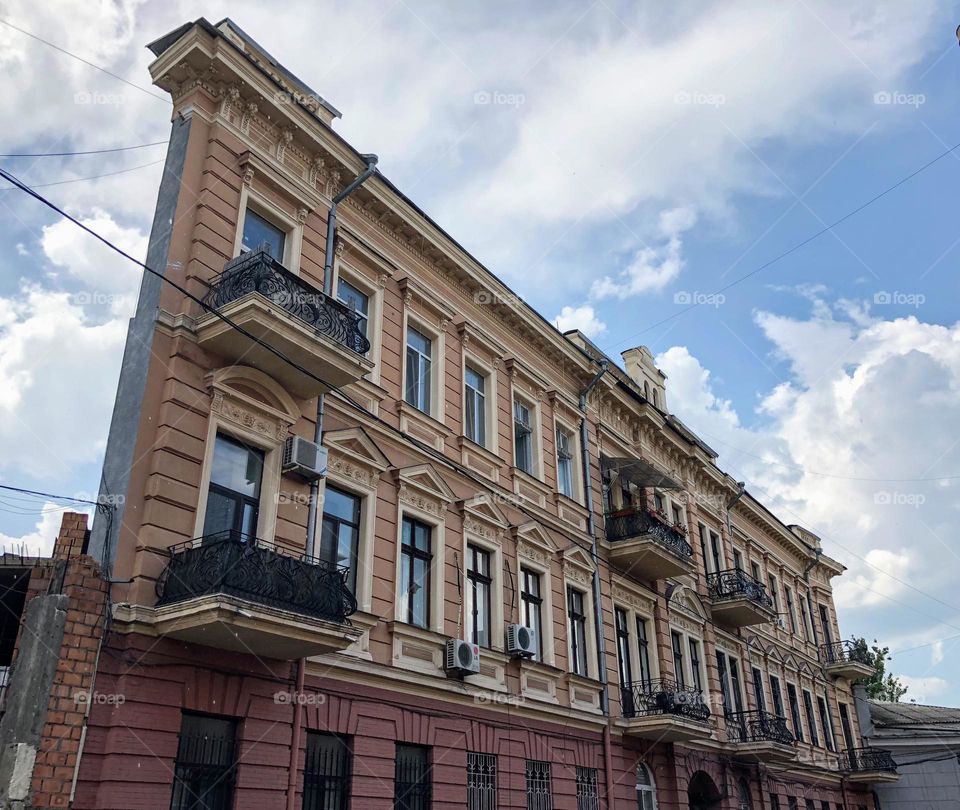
(645, 787)
(471, 393)
(588, 794)
(479, 584)
(535, 447)
(561, 426)
(481, 785)
(424, 782)
(264, 207)
(533, 604)
(538, 774)
(810, 712)
(578, 641)
(793, 701)
(354, 568)
(374, 292)
(344, 778)
(185, 798)
(240, 500)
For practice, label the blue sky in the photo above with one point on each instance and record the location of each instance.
(612, 161)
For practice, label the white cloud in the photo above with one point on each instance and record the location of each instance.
(39, 542)
(652, 268)
(582, 318)
(936, 652)
(924, 689)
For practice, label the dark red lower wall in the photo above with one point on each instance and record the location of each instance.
(144, 684)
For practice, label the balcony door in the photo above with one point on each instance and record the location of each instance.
(233, 497)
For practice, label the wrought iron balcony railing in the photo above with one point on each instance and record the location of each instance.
(235, 564)
(842, 652)
(758, 726)
(867, 759)
(663, 696)
(736, 584)
(630, 523)
(258, 272)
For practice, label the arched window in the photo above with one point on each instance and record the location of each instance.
(743, 788)
(646, 789)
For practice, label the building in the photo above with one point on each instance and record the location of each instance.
(925, 743)
(286, 619)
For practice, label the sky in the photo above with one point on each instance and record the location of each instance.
(650, 173)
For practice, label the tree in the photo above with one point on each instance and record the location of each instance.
(880, 685)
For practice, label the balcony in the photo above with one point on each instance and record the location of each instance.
(663, 710)
(648, 544)
(846, 659)
(238, 593)
(739, 600)
(318, 333)
(760, 735)
(864, 765)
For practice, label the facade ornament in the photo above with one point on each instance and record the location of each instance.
(249, 111)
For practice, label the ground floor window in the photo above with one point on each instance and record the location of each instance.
(205, 767)
(326, 776)
(539, 794)
(646, 789)
(587, 796)
(411, 790)
(481, 781)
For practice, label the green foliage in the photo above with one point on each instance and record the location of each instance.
(881, 685)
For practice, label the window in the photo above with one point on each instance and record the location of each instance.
(340, 531)
(419, 359)
(478, 595)
(803, 617)
(826, 724)
(744, 802)
(777, 696)
(578, 631)
(695, 664)
(481, 781)
(730, 688)
(755, 572)
(624, 667)
(702, 530)
(791, 803)
(358, 301)
(774, 801)
(848, 740)
(677, 514)
(539, 794)
(415, 572)
(530, 606)
(773, 592)
(715, 551)
(587, 796)
(795, 712)
(411, 780)
(205, 767)
(326, 775)
(737, 560)
(824, 805)
(258, 232)
(564, 463)
(475, 406)
(643, 647)
(791, 614)
(233, 498)
(677, 642)
(811, 720)
(646, 789)
(811, 805)
(659, 503)
(758, 689)
(825, 624)
(522, 437)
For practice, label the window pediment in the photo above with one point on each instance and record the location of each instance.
(422, 487)
(483, 518)
(354, 456)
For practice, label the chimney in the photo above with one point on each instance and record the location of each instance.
(73, 536)
(639, 365)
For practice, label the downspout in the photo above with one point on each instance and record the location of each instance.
(597, 602)
(297, 731)
(358, 181)
(806, 578)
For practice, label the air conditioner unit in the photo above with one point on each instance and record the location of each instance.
(781, 623)
(463, 658)
(305, 458)
(521, 641)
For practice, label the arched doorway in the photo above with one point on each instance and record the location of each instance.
(702, 794)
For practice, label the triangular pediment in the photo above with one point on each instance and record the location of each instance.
(425, 479)
(790, 662)
(356, 445)
(687, 601)
(774, 653)
(482, 508)
(578, 556)
(533, 533)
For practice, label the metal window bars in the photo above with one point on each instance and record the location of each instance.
(481, 781)
(539, 792)
(326, 774)
(411, 787)
(205, 767)
(588, 798)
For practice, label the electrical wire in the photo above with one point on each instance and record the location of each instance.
(89, 152)
(23, 491)
(91, 177)
(796, 247)
(85, 61)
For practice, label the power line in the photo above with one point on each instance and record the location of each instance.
(431, 451)
(89, 152)
(793, 249)
(49, 495)
(85, 61)
(90, 177)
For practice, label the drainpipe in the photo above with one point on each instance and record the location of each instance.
(806, 578)
(295, 737)
(358, 181)
(597, 602)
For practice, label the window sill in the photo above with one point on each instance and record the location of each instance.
(422, 426)
(479, 458)
(570, 511)
(530, 487)
(583, 693)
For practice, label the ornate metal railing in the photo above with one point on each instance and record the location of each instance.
(737, 584)
(258, 272)
(239, 565)
(641, 523)
(663, 696)
(841, 652)
(867, 759)
(758, 726)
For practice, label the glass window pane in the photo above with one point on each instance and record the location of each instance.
(236, 467)
(341, 504)
(258, 232)
(221, 513)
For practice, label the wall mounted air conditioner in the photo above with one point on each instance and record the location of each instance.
(304, 458)
(462, 658)
(521, 641)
